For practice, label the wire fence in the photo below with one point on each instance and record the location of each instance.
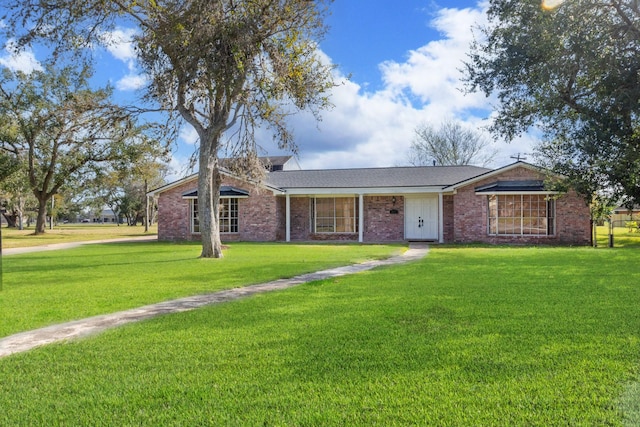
(625, 223)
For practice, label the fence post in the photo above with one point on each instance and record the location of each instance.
(610, 233)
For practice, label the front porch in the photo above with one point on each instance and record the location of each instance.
(364, 217)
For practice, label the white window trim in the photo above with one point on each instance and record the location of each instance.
(355, 219)
(193, 200)
(521, 216)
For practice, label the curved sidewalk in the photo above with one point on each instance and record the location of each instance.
(27, 340)
(69, 245)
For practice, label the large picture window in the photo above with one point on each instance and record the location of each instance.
(335, 215)
(521, 214)
(228, 220)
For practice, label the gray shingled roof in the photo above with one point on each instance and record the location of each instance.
(420, 176)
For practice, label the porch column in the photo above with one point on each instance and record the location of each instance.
(360, 217)
(288, 218)
(440, 219)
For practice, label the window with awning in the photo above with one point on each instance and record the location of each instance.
(519, 208)
(521, 214)
(227, 208)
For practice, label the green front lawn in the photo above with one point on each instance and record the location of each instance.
(66, 233)
(52, 287)
(622, 237)
(469, 336)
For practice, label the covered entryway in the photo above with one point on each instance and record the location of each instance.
(421, 217)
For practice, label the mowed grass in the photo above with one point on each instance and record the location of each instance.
(51, 287)
(469, 336)
(622, 237)
(67, 233)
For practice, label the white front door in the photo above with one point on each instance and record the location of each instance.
(421, 218)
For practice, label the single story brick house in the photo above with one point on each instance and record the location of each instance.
(432, 203)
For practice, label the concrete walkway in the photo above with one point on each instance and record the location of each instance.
(27, 340)
(57, 246)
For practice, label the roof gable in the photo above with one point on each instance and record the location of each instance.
(194, 177)
(496, 172)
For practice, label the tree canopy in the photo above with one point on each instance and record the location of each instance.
(449, 144)
(124, 189)
(571, 72)
(61, 130)
(225, 67)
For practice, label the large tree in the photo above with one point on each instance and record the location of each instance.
(572, 72)
(226, 67)
(8, 165)
(124, 188)
(61, 129)
(449, 144)
(16, 196)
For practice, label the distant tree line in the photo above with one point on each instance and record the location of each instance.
(62, 142)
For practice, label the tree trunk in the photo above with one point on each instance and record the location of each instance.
(41, 220)
(12, 219)
(208, 199)
(20, 211)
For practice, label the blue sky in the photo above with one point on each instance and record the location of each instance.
(364, 34)
(404, 59)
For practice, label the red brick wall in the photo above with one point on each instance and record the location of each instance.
(174, 222)
(301, 229)
(262, 216)
(470, 215)
(257, 214)
(380, 225)
(281, 218)
(447, 213)
(300, 218)
(573, 220)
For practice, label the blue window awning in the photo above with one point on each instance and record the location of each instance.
(512, 187)
(225, 191)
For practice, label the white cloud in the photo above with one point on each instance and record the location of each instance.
(131, 82)
(23, 60)
(179, 167)
(376, 129)
(188, 135)
(119, 44)
(432, 73)
(362, 130)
